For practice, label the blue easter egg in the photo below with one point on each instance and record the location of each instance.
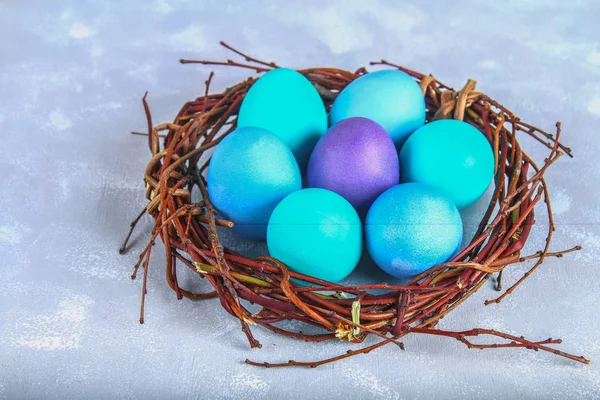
(284, 102)
(410, 228)
(316, 232)
(391, 98)
(250, 171)
(452, 156)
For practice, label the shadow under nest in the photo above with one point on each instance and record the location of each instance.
(189, 229)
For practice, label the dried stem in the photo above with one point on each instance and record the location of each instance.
(315, 364)
(514, 341)
(131, 228)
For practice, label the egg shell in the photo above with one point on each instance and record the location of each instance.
(250, 171)
(391, 98)
(452, 156)
(355, 159)
(316, 232)
(284, 102)
(412, 227)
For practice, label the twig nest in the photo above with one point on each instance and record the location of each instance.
(189, 230)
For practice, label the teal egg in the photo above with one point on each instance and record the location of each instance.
(250, 171)
(452, 156)
(391, 98)
(284, 102)
(410, 228)
(316, 232)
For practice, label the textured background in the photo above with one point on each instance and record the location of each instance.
(71, 77)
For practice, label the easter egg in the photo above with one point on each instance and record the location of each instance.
(391, 98)
(316, 232)
(452, 156)
(284, 102)
(355, 159)
(412, 227)
(250, 171)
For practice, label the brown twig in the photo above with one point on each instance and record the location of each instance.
(146, 134)
(130, 231)
(315, 364)
(514, 341)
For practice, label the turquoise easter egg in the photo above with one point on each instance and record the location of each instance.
(410, 228)
(452, 156)
(316, 232)
(391, 98)
(284, 102)
(250, 171)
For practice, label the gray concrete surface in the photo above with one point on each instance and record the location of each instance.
(71, 77)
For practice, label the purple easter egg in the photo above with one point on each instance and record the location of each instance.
(356, 159)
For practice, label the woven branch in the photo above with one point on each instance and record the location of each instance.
(189, 230)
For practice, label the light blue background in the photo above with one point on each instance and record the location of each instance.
(72, 74)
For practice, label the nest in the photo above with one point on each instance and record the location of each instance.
(348, 313)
